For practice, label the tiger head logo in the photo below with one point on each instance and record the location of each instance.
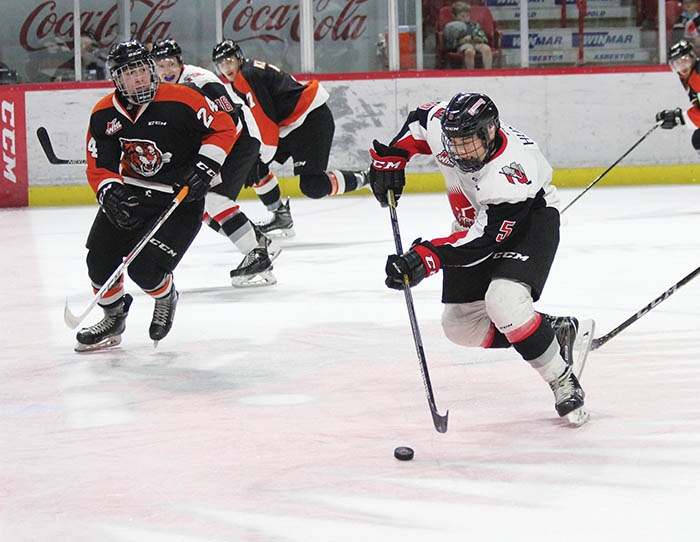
(143, 156)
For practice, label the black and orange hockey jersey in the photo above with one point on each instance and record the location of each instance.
(277, 100)
(692, 87)
(152, 145)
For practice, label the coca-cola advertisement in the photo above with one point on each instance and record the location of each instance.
(37, 38)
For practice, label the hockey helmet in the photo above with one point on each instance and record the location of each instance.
(167, 48)
(467, 117)
(226, 49)
(682, 57)
(168, 57)
(133, 71)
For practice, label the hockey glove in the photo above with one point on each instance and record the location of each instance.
(387, 171)
(118, 202)
(419, 262)
(670, 118)
(198, 178)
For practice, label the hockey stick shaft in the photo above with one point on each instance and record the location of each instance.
(439, 420)
(72, 320)
(45, 141)
(600, 341)
(612, 166)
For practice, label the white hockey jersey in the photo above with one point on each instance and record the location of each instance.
(202, 77)
(491, 203)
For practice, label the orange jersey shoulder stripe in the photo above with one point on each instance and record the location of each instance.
(269, 131)
(305, 101)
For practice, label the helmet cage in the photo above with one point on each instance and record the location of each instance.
(458, 147)
(138, 93)
(128, 62)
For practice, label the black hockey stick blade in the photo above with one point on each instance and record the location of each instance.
(43, 137)
(600, 341)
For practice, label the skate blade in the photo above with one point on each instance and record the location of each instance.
(582, 345)
(109, 342)
(273, 250)
(578, 417)
(264, 278)
(281, 233)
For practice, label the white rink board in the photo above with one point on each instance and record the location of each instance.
(586, 120)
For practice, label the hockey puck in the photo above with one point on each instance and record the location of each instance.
(403, 453)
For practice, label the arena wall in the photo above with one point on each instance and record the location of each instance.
(584, 122)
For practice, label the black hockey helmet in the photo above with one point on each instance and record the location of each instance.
(226, 49)
(466, 115)
(127, 56)
(679, 49)
(167, 48)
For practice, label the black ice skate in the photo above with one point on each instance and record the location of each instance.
(265, 241)
(281, 224)
(568, 398)
(254, 270)
(574, 339)
(108, 331)
(163, 314)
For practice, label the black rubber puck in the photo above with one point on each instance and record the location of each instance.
(403, 453)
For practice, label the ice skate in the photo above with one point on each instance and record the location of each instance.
(281, 224)
(254, 270)
(163, 315)
(574, 339)
(568, 398)
(265, 241)
(108, 331)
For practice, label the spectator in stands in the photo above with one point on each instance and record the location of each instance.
(93, 59)
(688, 24)
(7, 76)
(467, 37)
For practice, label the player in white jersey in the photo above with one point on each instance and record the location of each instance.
(496, 260)
(222, 212)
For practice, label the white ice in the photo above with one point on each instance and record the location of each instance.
(271, 414)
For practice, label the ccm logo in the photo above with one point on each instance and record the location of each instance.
(383, 165)
(511, 256)
(206, 169)
(9, 154)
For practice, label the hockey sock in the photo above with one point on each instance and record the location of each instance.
(343, 181)
(536, 343)
(268, 190)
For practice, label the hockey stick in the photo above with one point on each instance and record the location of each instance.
(71, 319)
(439, 421)
(600, 341)
(612, 166)
(45, 141)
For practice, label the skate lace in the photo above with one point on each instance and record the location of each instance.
(161, 312)
(103, 325)
(563, 387)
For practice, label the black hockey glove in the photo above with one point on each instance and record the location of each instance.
(198, 178)
(670, 118)
(387, 171)
(118, 202)
(257, 172)
(419, 262)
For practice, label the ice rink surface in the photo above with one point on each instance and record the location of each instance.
(271, 414)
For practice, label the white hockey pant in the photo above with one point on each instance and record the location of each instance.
(508, 306)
